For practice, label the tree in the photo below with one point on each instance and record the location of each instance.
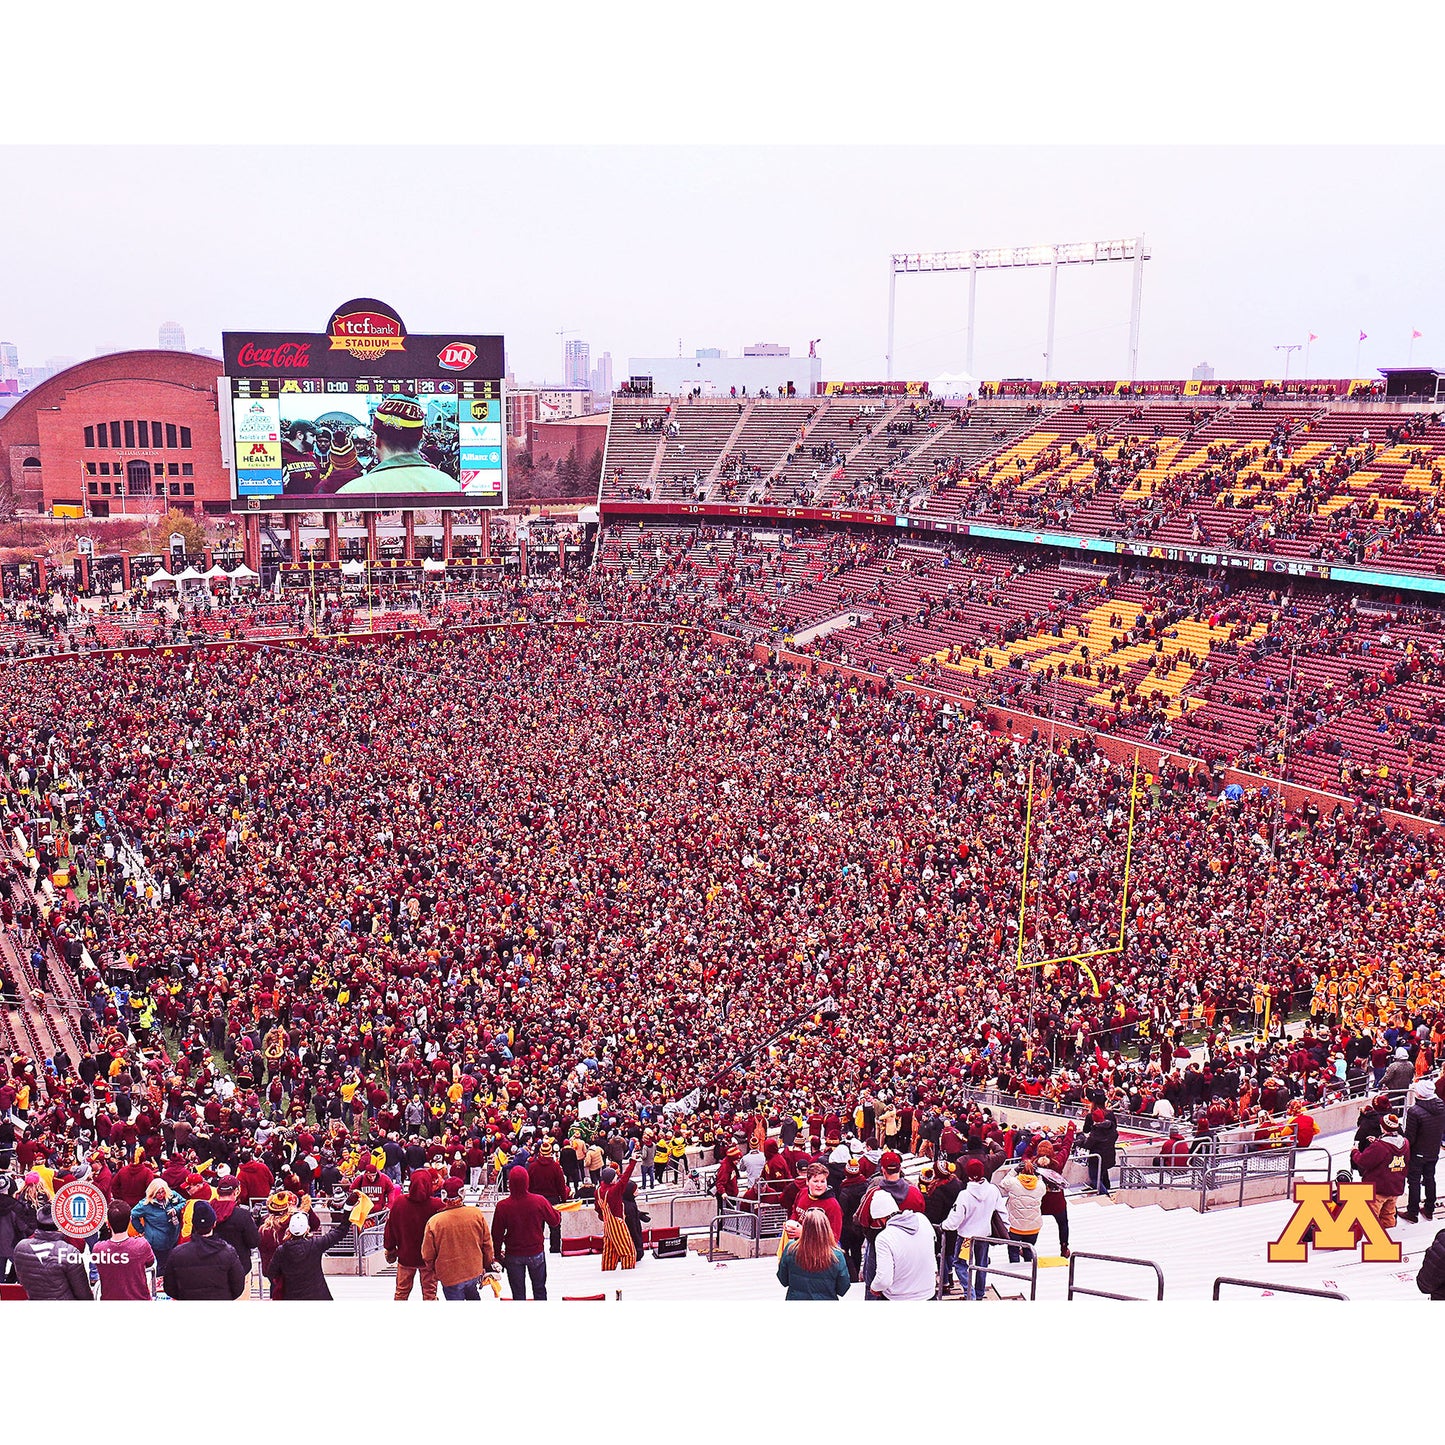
(8, 506)
(184, 523)
(594, 473)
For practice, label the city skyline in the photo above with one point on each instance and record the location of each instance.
(1226, 283)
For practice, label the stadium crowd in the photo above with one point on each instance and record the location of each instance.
(434, 902)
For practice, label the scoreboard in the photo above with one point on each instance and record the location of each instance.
(364, 416)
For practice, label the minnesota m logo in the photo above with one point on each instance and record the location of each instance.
(1334, 1225)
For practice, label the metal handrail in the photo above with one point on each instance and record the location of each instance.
(1074, 1289)
(718, 1227)
(1270, 1288)
(1031, 1278)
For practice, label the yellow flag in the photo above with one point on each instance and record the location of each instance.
(362, 1209)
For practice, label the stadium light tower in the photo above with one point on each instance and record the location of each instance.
(1133, 250)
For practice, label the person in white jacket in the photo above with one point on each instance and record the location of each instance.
(906, 1268)
(971, 1219)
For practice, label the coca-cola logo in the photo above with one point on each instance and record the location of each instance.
(289, 356)
(457, 356)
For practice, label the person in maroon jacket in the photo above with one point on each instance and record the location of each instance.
(256, 1179)
(405, 1226)
(545, 1178)
(816, 1193)
(517, 1234)
(131, 1182)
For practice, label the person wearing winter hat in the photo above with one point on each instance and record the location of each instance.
(271, 1233)
(204, 1266)
(971, 1222)
(904, 1267)
(1023, 1194)
(234, 1222)
(399, 426)
(1384, 1163)
(1399, 1075)
(296, 1271)
(546, 1179)
(457, 1245)
(1424, 1127)
(850, 1199)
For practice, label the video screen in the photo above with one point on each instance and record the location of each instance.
(369, 443)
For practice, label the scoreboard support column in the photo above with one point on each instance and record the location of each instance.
(333, 537)
(252, 545)
(293, 535)
(408, 522)
(372, 553)
(486, 537)
(125, 582)
(446, 536)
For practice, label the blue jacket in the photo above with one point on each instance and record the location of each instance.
(160, 1223)
(831, 1283)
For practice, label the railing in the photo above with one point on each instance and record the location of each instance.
(1204, 1174)
(1031, 1278)
(744, 1225)
(998, 1098)
(1268, 1288)
(1078, 1289)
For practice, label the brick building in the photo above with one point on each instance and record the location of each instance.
(130, 425)
(551, 441)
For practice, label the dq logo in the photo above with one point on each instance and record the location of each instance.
(1334, 1225)
(457, 357)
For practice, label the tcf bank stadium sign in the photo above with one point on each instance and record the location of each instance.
(363, 338)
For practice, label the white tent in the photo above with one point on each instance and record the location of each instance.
(952, 384)
(189, 575)
(244, 574)
(159, 577)
(352, 569)
(216, 570)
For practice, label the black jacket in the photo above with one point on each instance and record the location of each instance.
(204, 1268)
(50, 1267)
(1424, 1126)
(297, 1264)
(239, 1230)
(1431, 1279)
(1101, 1139)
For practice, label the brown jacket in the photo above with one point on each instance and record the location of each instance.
(457, 1244)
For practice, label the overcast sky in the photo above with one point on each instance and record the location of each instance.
(640, 249)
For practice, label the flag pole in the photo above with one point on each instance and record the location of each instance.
(1357, 356)
(1309, 339)
(1410, 359)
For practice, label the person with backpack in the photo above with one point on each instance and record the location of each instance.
(905, 1263)
(906, 1197)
